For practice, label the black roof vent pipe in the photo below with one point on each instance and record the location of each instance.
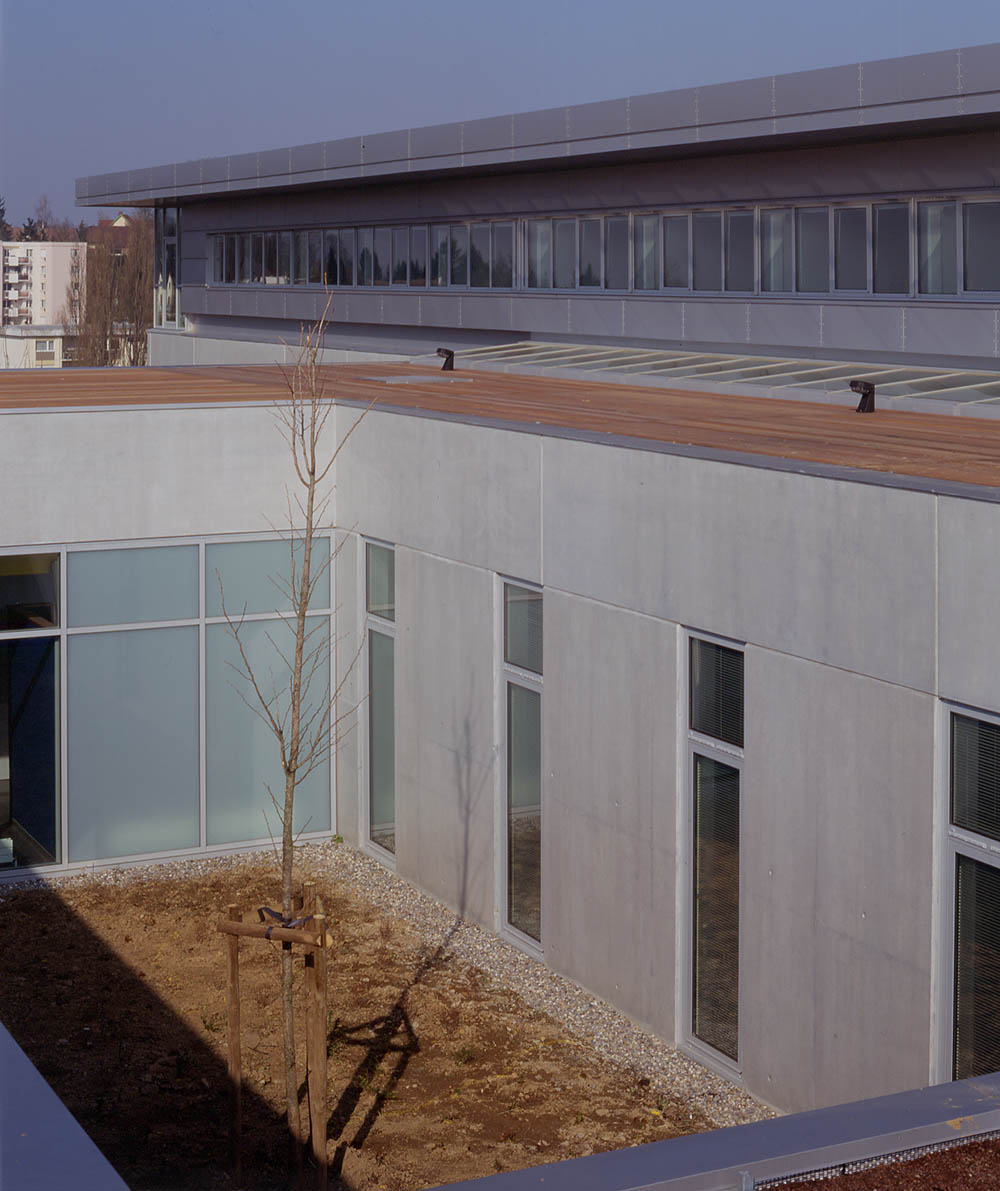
(448, 356)
(867, 390)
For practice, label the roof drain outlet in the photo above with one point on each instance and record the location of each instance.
(448, 356)
(867, 390)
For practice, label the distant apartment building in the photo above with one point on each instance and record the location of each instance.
(34, 277)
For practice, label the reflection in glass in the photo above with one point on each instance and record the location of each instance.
(707, 248)
(135, 789)
(739, 250)
(439, 256)
(380, 573)
(522, 627)
(29, 752)
(850, 226)
(503, 256)
(170, 290)
(539, 254)
(29, 591)
(524, 810)
(981, 222)
(381, 741)
(271, 259)
(891, 249)
(254, 577)
(380, 256)
(230, 274)
(936, 248)
(284, 258)
(564, 263)
(616, 253)
(777, 273)
(459, 255)
(218, 258)
(315, 258)
(418, 255)
(300, 272)
(257, 258)
(479, 256)
(365, 256)
(345, 258)
(400, 254)
(646, 252)
(590, 252)
(812, 249)
(675, 252)
(715, 939)
(330, 244)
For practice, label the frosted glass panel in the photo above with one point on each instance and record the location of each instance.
(254, 576)
(522, 627)
(241, 752)
(133, 742)
(126, 586)
(381, 741)
(524, 809)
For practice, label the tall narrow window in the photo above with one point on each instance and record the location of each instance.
(981, 227)
(381, 256)
(418, 255)
(284, 258)
(315, 258)
(459, 248)
(850, 248)
(812, 249)
(400, 255)
(380, 602)
(590, 252)
(564, 255)
(503, 256)
(271, 258)
(739, 251)
(522, 636)
(439, 255)
(230, 275)
(346, 257)
(777, 262)
(364, 256)
(539, 254)
(330, 265)
(479, 256)
(707, 250)
(716, 716)
(616, 252)
(300, 258)
(646, 252)
(891, 249)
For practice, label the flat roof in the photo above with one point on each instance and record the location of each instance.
(902, 448)
(918, 93)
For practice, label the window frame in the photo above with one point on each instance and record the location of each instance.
(370, 621)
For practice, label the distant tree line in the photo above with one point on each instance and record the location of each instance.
(41, 225)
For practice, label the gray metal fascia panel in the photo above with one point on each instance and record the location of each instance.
(214, 170)
(728, 103)
(275, 163)
(903, 80)
(385, 148)
(439, 140)
(242, 168)
(606, 118)
(979, 68)
(348, 151)
(487, 135)
(663, 110)
(187, 174)
(833, 88)
(305, 159)
(546, 127)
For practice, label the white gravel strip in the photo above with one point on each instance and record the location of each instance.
(584, 1015)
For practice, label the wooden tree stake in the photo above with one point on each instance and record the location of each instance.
(235, 1058)
(315, 961)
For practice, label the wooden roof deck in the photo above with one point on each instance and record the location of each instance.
(931, 446)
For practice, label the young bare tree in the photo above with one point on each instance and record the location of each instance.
(301, 709)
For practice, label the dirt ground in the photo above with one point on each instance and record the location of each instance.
(117, 993)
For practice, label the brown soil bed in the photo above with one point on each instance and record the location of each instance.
(116, 991)
(971, 1167)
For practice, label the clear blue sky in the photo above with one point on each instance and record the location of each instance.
(87, 86)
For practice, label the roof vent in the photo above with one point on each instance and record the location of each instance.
(867, 390)
(448, 356)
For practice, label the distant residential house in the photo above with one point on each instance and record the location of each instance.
(37, 345)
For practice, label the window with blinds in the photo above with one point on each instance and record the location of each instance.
(716, 933)
(975, 775)
(716, 691)
(977, 968)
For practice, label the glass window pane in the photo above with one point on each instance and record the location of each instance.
(891, 259)
(777, 273)
(330, 264)
(29, 591)
(380, 571)
(254, 576)
(271, 258)
(646, 252)
(936, 248)
(256, 259)
(716, 695)
(400, 254)
(218, 258)
(315, 258)
(135, 789)
(418, 255)
(981, 225)
(459, 255)
(675, 252)
(128, 586)
(715, 1000)
(244, 257)
(170, 291)
(300, 274)
(170, 221)
(365, 256)
(812, 227)
(739, 251)
(564, 264)
(590, 252)
(381, 741)
(522, 627)
(850, 247)
(241, 752)
(503, 255)
(439, 256)
(29, 751)
(707, 250)
(380, 256)
(230, 274)
(975, 775)
(345, 259)
(539, 254)
(977, 968)
(479, 256)
(616, 253)
(524, 810)
(284, 258)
